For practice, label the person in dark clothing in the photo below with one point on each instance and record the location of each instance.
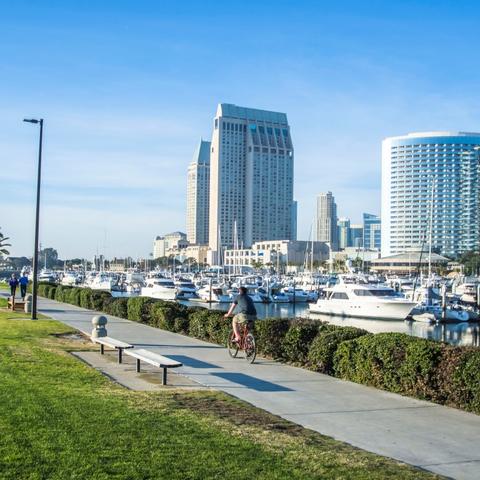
(246, 311)
(23, 281)
(13, 285)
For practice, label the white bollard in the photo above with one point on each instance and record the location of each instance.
(99, 322)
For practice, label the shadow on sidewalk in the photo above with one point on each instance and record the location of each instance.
(252, 382)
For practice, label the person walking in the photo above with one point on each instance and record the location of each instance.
(13, 285)
(23, 281)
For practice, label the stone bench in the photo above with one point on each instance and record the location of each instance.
(14, 304)
(112, 343)
(140, 354)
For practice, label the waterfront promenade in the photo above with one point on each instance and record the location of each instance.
(433, 437)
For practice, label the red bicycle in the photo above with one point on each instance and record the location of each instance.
(246, 343)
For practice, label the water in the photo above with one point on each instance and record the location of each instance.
(455, 334)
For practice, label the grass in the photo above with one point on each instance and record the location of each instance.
(60, 419)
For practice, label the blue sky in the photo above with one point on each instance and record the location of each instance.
(128, 88)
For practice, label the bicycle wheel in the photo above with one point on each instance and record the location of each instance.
(232, 346)
(250, 348)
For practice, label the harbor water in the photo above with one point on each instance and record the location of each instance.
(467, 333)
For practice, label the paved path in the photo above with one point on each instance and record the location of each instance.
(440, 439)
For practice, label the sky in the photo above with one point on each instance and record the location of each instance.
(127, 89)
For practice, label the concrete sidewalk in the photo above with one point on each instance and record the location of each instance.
(436, 438)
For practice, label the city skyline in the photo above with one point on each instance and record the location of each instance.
(127, 91)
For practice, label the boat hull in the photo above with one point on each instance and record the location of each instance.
(378, 311)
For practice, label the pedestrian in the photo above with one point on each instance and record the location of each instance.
(13, 285)
(23, 281)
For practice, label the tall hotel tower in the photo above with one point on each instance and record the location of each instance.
(327, 220)
(198, 195)
(251, 178)
(430, 189)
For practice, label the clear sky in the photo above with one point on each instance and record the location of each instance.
(127, 88)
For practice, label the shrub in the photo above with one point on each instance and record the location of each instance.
(325, 344)
(393, 361)
(298, 339)
(181, 325)
(74, 296)
(118, 307)
(139, 309)
(198, 323)
(98, 298)
(85, 296)
(269, 335)
(51, 293)
(163, 314)
(218, 327)
(458, 378)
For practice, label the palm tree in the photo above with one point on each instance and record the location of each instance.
(3, 244)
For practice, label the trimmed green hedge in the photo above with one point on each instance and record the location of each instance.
(324, 346)
(396, 362)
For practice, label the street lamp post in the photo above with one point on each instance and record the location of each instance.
(37, 220)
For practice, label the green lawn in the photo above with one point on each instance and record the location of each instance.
(60, 419)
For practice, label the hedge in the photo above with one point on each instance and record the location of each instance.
(396, 362)
(323, 347)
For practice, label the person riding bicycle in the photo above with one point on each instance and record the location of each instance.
(246, 311)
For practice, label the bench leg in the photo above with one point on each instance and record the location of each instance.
(102, 349)
(138, 365)
(164, 377)
(120, 350)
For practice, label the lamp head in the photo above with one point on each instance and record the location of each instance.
(30, 120)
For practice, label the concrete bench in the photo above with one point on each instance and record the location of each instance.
(112, 343)
(14, 304)
(153, 359)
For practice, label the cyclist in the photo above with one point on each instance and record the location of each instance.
(246, 311)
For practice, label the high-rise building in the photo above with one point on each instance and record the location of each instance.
(356, 235)
(327, 220)
(372, 234)
(198, 195)
(251, 177)
(430, 189)
(344, 237)
(294, 220)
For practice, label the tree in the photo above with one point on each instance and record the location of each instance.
(4, 244)
(256, 264)
(471, 262)
(48, 257)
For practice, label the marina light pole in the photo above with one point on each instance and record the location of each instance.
(37, 220)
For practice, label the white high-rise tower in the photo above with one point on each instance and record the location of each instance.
(327, 220)
(198, 195)
(251, 177)
(431, 191)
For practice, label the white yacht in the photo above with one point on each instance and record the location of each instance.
(162, 288)
(104, 281)
(69, 279)
(185, 289)
(297, 295)
(214, 294)
(366, 301)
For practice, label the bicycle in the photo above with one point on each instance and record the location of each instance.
(246, 343)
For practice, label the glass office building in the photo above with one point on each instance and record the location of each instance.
(430, 190)
(372, 231)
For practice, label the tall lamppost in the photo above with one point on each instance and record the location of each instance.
(37, 220)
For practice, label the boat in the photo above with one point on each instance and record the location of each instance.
(185, 289)
(161, 288)
(213, 294)
(296, 295)
(104, 281)
(69, 279)
(363, 300)
(435, 313)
